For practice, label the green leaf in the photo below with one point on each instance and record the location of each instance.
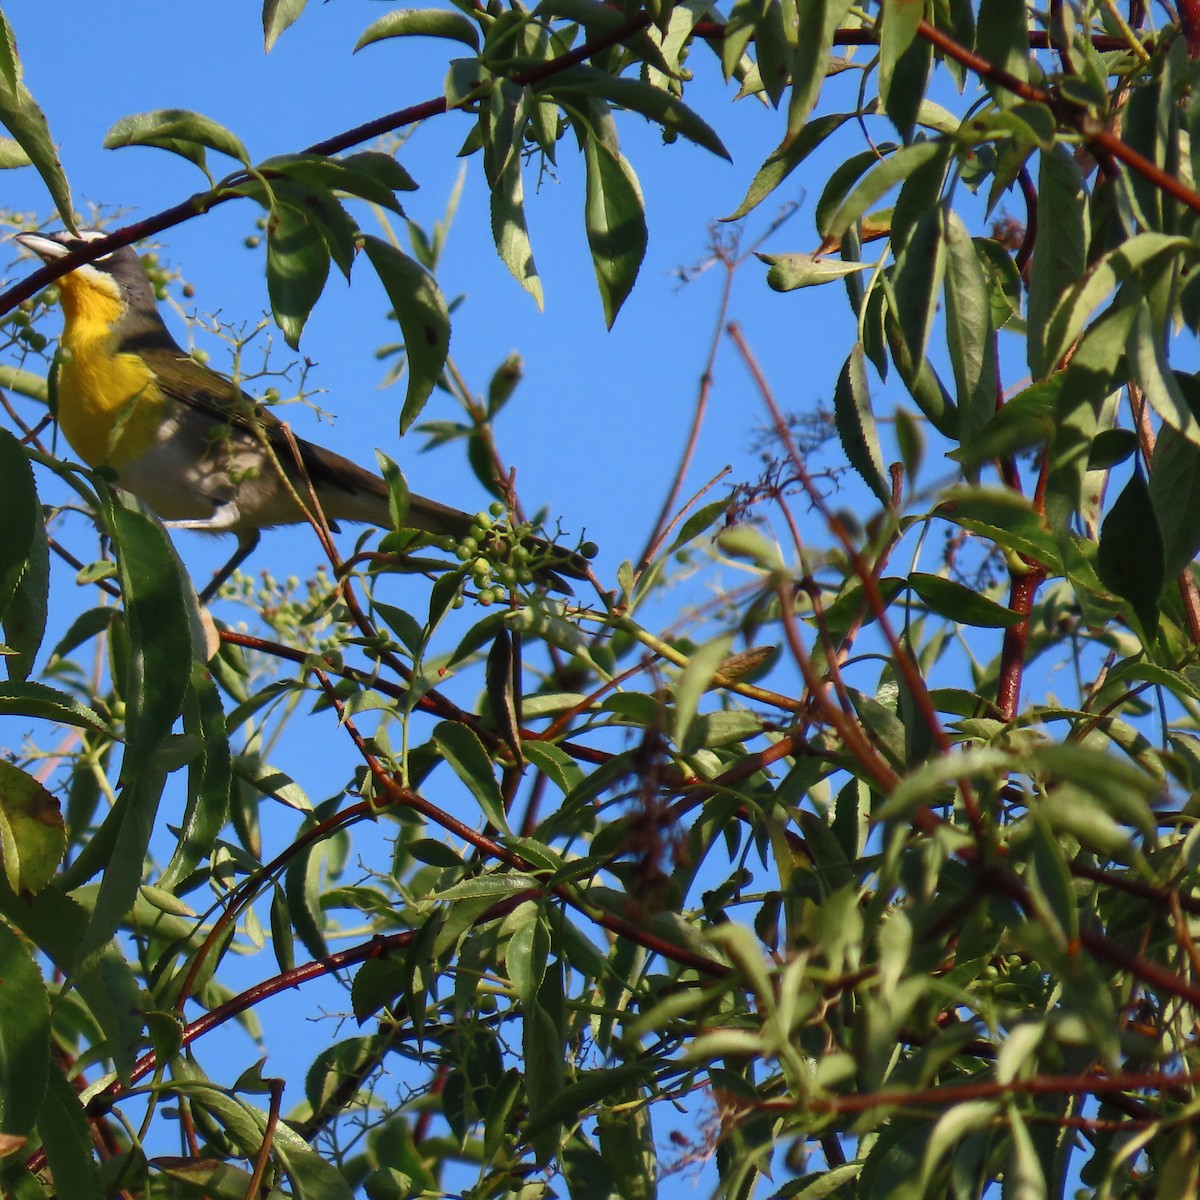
(67, 1139)
(421, 22)
(1130, 557)
(1003, 517)
(510, 230)
(554, 762)
(961, 604)
(349, 1059)
(57, 924)
(542, 1044)
(819, 21)
(900, 21)
(585, 1172)
(28, 611)
(773, 43)
(24, 559)
(277, 15)
(24, 1036)
(20, 513)
(904, 64)
(210, 778)
(1148, 359)
(855, 421)
(1059, 254)
(424, 320)
(12, 154)
(1071, 314)
(203, 1178)
(302, 886)
(311, 1176)
(790, 272)
(1175, 497)
(1002, 37)
(700, 521)
(615, 220)
(10, 62)
(47, 703)
(1027, 419)
(784, 159)
(163, 632)
(866, 194)
(969, 334)
(490, 887)
(160, 622)
(694, 681)
(297, 267)
(462, 749)
(398, 493)
(179, 131)
(919, 194)
(917, 281)
(323, 176)
(21, 116)
(653, 103)
(526, 956)
(745, 541)
(502, 675)
(381, 167)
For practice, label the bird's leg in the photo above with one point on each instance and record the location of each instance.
(247, 541)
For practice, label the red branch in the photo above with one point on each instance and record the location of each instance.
(1189, 20)
(961, 1093)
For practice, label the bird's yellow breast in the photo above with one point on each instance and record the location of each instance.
(109, 406)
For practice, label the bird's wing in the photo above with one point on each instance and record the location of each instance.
(213, 395)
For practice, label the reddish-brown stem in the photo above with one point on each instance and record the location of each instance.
(1102, 140)
(1189, 20)
(432, 702)
(264, 1153)
(1029, 240)
(241, 895)
(901, 656)
(962, 1093)
(1025, 583)
(377, 947)
(397, 793)
(701, 408)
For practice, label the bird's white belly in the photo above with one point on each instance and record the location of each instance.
(230, 487)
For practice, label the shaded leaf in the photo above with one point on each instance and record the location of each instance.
(22, 117)
(179, 131)
(856, 424)
(616, 224)
(24, 1036)
(421, 22)
(962, 604)
(277, 15)
(424, 320)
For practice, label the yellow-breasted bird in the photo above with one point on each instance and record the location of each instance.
(186, 439)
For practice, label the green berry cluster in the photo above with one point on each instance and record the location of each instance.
(21, 322)
(497, 557)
